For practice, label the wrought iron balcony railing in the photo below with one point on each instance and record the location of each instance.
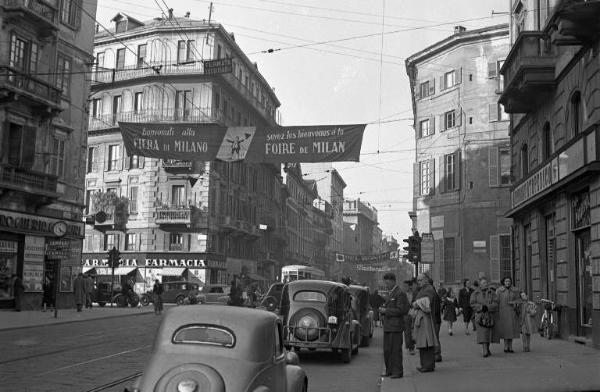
(34, 88)
(171, 115)
(22, 179)
(39, 9)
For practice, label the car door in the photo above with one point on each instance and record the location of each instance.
(274, 374)
(168, 292)
(214, 293)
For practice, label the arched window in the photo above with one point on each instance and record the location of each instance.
(524, 161)
(576, 114)
(547, 141)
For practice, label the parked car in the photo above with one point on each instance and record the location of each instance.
(363, 312)
(180, 292)
(221, 348)
(102, 295)
(214, 294)
(270, 301)
(317, 314)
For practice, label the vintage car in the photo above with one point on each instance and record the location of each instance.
(362, 312)
(103, 291)
(317, 314)
(217, 348)
(271, 299)
(180, 292)
(214, 294)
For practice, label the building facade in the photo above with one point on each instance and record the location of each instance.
(46, 52)
(462, 162)
(360, 228)
(208, 220)
(551, 78)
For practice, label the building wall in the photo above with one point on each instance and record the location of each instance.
(463, 211)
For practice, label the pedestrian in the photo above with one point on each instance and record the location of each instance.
(48, 294)
(508, 321)
(464, 305)
(484, 302)
(393, 311)
(527, 312)
(376, 302)
(18, 291)
(236, 293)
(423, 324)
(79, 288)
(89, 291)
(449, 305)
(409, 342)
(157, 292)
(436, 311)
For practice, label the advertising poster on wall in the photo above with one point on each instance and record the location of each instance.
(8, 267)
(33, 263)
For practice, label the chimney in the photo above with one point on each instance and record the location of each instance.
(459, 29)
(232, 36)
(170, 13)
(187, 14)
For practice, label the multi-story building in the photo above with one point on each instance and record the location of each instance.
(45, 54)
(360, 223)
(211, 220)
(462, 162)
(551, 79)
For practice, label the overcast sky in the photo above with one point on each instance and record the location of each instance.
(350, 79)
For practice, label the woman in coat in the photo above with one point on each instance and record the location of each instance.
(423, 325)
(508, 320)
(484, 302)
(449, 305)
(464, 304)
(79, 289)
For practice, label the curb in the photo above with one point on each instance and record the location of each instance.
(74, 321)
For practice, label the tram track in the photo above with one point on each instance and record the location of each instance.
(114, 383)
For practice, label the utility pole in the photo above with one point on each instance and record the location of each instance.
(210, 9)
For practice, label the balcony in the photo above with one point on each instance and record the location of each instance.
(577, 22)
(180, 215)
(171, 115)
(110, 221)
(15, 84)
(101, 75)
(226, 224)
(28, 181)
(528, 73)
(39, 12)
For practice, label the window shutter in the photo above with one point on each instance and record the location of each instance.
(127, 162)
(29, 139)
(492, 69)
(493, 112)
(442, 123)
(438, 254)
(442, 85)
(106, 157)
(458, 117)
(416, 179)
(432, 86)
(494, 258)
(442, 186)
(493, 166)
(458, 169)
(141, 161)
(121, 158)
(432, 176)
(458, 75)
(417, 91)
(431, 125)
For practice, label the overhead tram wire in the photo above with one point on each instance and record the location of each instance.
(380, 75)
(181, 28)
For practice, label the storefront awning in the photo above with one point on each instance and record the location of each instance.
(190, 277)
(86, 269)
(172, 271)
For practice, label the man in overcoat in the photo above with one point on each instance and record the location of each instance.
(80, 293)
(393, 311)
(424, 325)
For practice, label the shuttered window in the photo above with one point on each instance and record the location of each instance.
(495, 258)
(114, 157)
(426, 177)
(450, 168)
(133, 200)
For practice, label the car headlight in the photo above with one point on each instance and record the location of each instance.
(332, 320)
(187, 385)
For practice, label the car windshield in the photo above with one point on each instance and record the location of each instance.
(310, 296)
(204, 334)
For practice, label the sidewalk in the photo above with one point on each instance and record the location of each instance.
(552, 365)
(9, 319)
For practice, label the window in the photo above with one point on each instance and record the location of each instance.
(176, 242)
(181, 51)
(425, 171)
(505, 263)
(424, 128)
(217, 101)
(23, 54)
(100, 59)
(138, 102)
(497, 113)
(547, 141)
(114, 153)
(449, 119)
(449, 79)
(135, 162)
(191, 47)
(91, 159)
(121, 26)
(120, 58)
(178, 195)
(21, 145)
(96, 108)
(451, 164)
(524, 161)
(504, 167)
(71, 13)
(131, 241)
(424, 89)
(133, 200)
(141, 55)
(500, 261)
(219, 51)
(576, 114)
(183, 104)
(110, 241)
(494, 73)
(57, 158)
(449, 259)
(499, 166)
(116, 108)
(88, 202)
(63, 75)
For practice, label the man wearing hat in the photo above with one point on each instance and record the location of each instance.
(393, 312)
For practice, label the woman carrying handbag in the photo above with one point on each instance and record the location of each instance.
(484, 302)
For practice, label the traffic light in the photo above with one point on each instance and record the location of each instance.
(113, 258)
(413, 248)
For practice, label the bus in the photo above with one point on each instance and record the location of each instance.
(290, 273)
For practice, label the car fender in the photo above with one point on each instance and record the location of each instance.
(296, 377)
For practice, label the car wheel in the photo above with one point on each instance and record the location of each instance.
(346, 355)
(145, 300)
(101, 304)
(180, 300)
(121, 301)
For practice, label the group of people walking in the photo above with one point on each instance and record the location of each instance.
(415, 313)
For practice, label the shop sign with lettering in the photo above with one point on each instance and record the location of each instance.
(536, 183)
(140, 260)
(580, 210)
(30, 224)
(8, 246)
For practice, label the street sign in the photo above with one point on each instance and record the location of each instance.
(217, 67)
(427, 253)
